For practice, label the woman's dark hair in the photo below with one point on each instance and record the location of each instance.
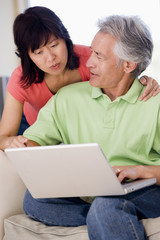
(33, 28)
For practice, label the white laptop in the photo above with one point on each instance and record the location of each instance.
(69, 171)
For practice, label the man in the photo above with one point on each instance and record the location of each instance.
(107, 110)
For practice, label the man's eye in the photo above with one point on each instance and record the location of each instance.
(99, 57)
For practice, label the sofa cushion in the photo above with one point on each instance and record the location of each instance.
(21, 227)
(152, 228)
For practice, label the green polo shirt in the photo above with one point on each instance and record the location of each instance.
(128, 130)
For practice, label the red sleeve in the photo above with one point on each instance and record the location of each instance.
(83, 52)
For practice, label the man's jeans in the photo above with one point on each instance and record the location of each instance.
(107, 218)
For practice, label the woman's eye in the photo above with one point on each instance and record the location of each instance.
(38, 52)
(54, 45)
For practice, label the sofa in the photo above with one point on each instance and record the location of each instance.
(15, 225)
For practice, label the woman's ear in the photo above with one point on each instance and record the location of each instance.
(129, 66)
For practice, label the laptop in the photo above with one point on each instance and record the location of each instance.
(69, 171)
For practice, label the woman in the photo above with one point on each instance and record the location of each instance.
(49, 61)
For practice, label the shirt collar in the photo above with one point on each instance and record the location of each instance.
(131, 96)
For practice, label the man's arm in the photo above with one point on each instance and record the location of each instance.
(31, 143)
(45, 130)
(137, 172)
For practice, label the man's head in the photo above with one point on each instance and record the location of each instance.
(134, 41)
(130, 43)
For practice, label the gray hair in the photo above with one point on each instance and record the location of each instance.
(134, 41)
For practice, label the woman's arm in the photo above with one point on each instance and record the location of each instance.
(10, 122)
(152, 88)
(137, 172)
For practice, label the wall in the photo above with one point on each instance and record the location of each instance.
(9, 9)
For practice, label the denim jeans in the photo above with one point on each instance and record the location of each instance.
(23, 125)
(115, 217)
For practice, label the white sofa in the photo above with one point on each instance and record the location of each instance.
(12, 191)
(18, 226)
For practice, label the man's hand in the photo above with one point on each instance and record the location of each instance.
(137, 172)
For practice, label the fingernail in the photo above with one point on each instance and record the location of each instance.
(144, 79)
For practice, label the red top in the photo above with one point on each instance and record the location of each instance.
(36, 96)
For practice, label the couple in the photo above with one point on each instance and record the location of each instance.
(105, 108)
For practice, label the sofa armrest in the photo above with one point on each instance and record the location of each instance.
(12, 191)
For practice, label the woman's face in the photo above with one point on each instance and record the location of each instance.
(52, 57)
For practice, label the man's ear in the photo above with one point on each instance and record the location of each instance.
(129, 66)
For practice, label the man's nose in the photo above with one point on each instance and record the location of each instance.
(90, 62)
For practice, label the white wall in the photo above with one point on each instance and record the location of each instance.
(9, 9)
(81, 20)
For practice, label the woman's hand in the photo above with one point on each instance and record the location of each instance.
(152, 87)
(137, 172)
(16, 142)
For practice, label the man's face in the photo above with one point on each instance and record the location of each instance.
(103, 63)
